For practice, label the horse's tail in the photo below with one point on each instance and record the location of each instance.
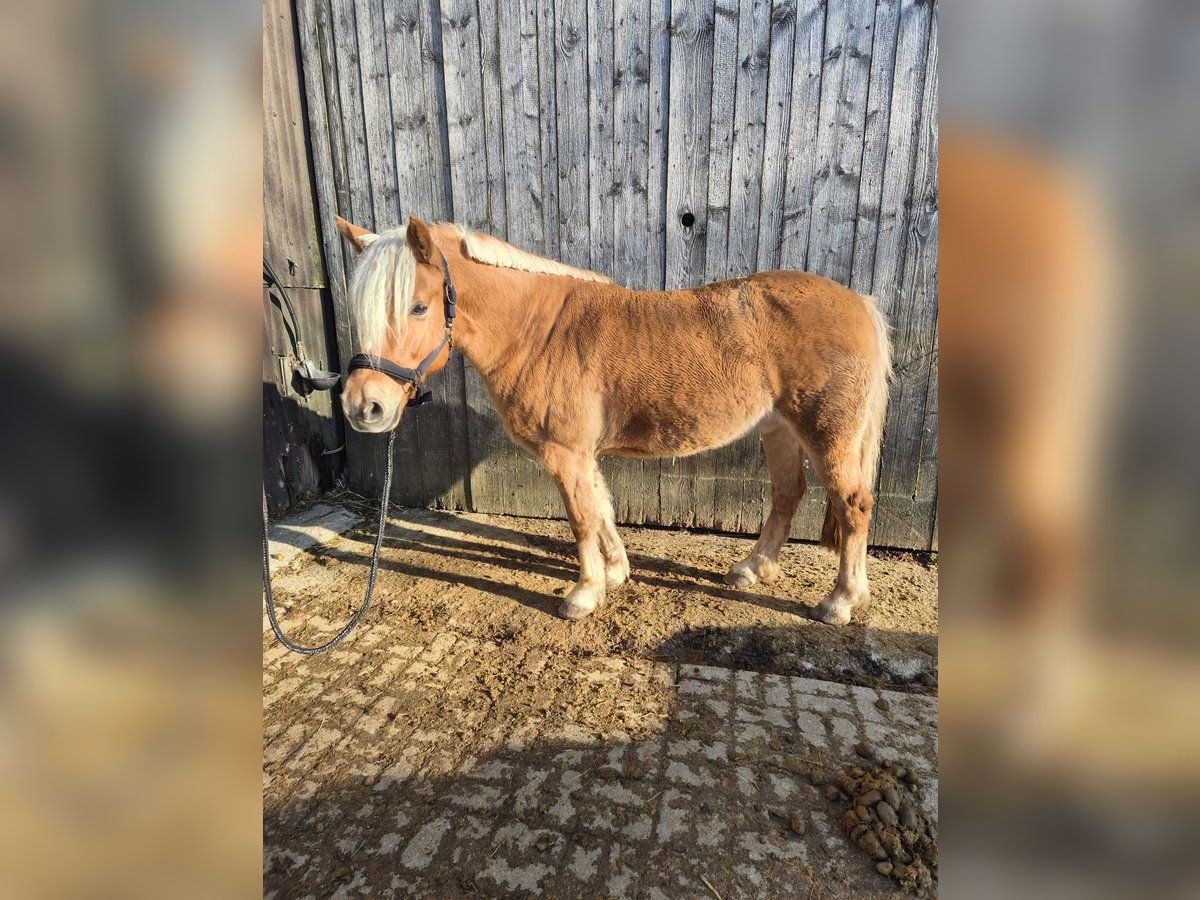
(871, 428)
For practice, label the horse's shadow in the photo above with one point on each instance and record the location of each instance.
(548, 556)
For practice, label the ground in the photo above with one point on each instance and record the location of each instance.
(467, 742)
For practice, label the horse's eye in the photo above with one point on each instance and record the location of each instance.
(420, 309)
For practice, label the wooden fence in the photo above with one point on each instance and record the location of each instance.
(665, 142)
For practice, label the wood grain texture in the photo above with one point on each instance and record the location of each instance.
(521, 135)
(778, 114)
(571, 91)
(845, 75)
(874, 149)
(720, 142)
(807, 55)
(290, 238)
(907, 505)
(689, 111)
(600, 135)
(657, 131)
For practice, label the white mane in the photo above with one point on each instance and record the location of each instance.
(494, 252)
(385, 277)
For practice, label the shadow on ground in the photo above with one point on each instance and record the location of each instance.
(502, 579)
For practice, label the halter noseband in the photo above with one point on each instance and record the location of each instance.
(416, 377)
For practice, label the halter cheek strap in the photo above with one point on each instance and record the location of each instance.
(416, 377)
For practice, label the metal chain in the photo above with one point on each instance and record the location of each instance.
(270, 598)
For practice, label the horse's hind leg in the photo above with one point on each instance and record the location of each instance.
(616, 563)
(785, 461)
(845, 531)
(572, 471)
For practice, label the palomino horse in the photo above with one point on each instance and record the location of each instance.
(578, 366)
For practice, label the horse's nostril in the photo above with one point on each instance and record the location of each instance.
(372, 411)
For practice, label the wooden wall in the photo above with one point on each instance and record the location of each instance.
(669, 143)
(301, 432)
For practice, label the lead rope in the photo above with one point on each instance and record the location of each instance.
(341, 635)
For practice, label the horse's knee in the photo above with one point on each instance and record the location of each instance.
(856, 510)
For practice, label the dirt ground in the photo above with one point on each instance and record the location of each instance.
(466, 742)
(501, 579)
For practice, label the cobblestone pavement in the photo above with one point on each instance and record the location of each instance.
(438, 765)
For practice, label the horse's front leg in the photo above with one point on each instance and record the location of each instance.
(616, 563)
(572, 471)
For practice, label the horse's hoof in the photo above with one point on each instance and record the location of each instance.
(572, 611)
(616, 576)
(578, 604)
(833, 611)
(741, 576)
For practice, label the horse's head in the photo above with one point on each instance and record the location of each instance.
(396, 308)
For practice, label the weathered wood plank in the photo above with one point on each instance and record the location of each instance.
(545, 81)
(377, 112)
(749, 134)
(464, 113)
(323, 133)
(412, 116)
(907, 506)
(874, 150)
(908, 87)
(571, 86)
(446, 433)
(493, 115)
(600, 134)
(807, 54)
(720, 141)
(657, 124)
(631, 161)
(775, 137)
(437, 129)
(845, 75)
(691, 72)
(290, 239)
(298, 428)
(522, 144)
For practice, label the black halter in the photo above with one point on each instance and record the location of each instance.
(416, 377)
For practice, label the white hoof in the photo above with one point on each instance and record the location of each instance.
(837, 608)
(580, 602)
(752, 570)
(741, 575)
(616, 574)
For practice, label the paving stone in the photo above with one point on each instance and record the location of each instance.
(594, 777)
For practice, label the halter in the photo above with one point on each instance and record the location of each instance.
(416, 377)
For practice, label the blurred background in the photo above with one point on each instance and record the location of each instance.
(1069, 671)
(131, 179)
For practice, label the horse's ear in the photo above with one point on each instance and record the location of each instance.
(420, 240)
(360, 238)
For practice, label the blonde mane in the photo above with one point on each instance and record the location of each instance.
(386, 271)
(492, 251)
(385, 278)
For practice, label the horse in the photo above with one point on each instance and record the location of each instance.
(579, 367)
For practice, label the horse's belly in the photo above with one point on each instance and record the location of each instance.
(682, 433)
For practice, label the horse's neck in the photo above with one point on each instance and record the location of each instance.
(500, 311)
